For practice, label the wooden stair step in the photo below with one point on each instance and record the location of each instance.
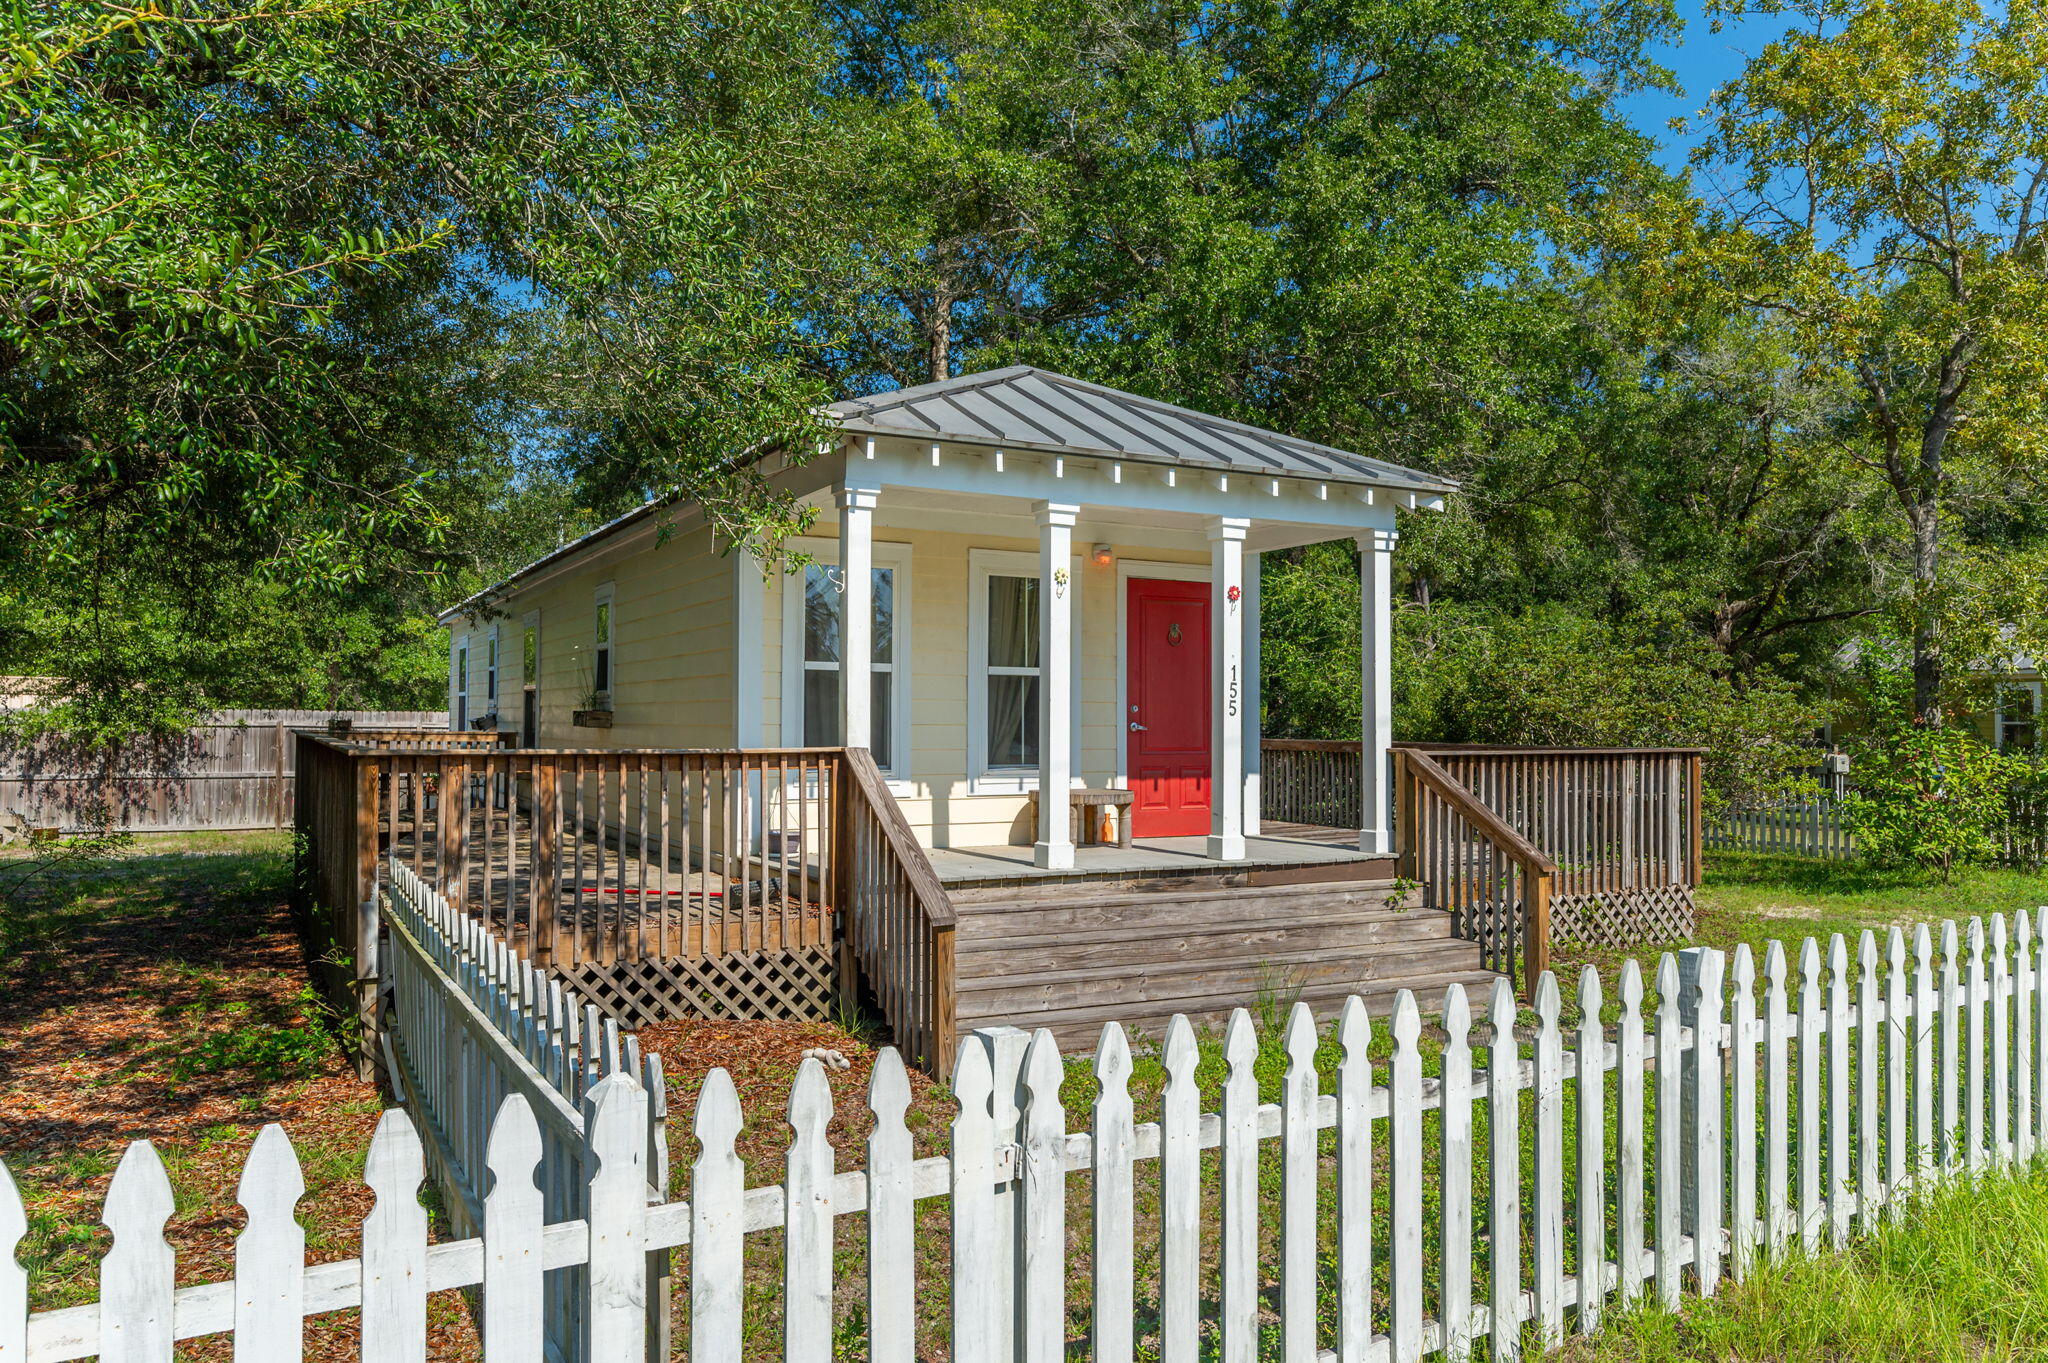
(1302, 876)
(1078, 1028)
(1148, 910)
(1363, 931)
(1239, 979)
(1007, 897)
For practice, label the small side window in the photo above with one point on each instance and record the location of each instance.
(601, 678)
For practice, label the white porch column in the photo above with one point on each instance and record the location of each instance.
(857, 614)
(1252, 757)
(1226, 687)
(1054, 848)
(1376, 685)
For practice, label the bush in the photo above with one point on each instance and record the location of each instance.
(1930, 795)
(1548, 676)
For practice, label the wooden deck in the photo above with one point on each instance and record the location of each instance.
(612, 903)
(1280, 846)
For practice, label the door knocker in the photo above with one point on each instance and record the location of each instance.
(1173, 634)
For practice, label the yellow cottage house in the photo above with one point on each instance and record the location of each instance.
(1054, 584)
(1045, 585)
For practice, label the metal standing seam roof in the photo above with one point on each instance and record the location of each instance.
(1026, 408)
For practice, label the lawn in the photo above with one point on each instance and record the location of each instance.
(1755, 897)
(1963, 1277)
(162, 994)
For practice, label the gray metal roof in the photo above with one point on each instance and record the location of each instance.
(1026, 408)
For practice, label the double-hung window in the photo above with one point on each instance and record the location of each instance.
(1010, 677)
(529, 682)
(2017, 725)
(813, 651)
(491, 671)
(1005, 628)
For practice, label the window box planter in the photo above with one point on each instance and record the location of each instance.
(591, 719)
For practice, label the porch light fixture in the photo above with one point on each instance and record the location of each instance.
(1102, 554)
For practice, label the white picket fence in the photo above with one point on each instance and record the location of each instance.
(1790, 1113)
(1804, 828)
(473, 1023)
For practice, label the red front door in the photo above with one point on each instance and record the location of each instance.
(1167, 707)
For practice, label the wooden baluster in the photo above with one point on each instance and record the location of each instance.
(641, 857)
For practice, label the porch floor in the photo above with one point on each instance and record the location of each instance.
(1277, 846)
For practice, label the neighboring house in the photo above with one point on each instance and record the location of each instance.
(1054, 585)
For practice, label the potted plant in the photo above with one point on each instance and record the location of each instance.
(595, 710)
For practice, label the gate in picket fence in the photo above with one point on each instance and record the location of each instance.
(1741, 1125)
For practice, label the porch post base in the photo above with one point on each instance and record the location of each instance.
(1052, 856)
(1375, 842)
(1226, 848)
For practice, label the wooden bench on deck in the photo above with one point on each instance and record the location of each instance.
(1085, 799)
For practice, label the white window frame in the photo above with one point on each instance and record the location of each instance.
(458, 696)
(982, 778)
(2004, 692)
(604, 605)
(896, 558)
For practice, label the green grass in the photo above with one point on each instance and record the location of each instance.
(1963, 1277)
(1756, 897)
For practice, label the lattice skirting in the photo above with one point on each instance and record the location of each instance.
(1625, 919)
(769, 985)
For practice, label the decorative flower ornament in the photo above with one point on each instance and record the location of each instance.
(1059, 581)
(1234, 593)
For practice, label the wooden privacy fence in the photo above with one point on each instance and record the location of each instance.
(233, 770)
(473, 1023)
(660, 883)
(1731, 1115)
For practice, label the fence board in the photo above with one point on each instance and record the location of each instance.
(235, 769)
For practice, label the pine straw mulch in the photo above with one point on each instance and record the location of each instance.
(165, 997)
(763, 1059)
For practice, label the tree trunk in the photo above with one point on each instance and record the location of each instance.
(940, 327)
(1922, 517)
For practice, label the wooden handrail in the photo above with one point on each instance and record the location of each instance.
(895, 917)
(1538, 871)
(1471, 749)
(917, 867)
(1466, 803)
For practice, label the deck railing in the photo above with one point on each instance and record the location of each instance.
(902, 933)
(1621, 826)
(659, 882)
(1474, 865)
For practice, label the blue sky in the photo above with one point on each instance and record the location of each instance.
(1701, 60)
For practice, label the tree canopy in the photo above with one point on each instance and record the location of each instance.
(317, 313)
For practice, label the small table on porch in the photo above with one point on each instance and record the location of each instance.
(1085, 799)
